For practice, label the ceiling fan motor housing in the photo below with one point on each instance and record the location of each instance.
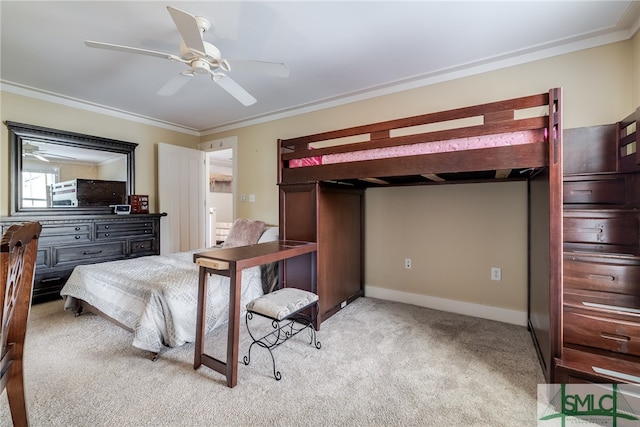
(210, 59)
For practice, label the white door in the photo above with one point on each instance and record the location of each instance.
(181, 194)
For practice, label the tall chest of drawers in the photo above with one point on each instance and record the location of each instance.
(68, 241)
(601, 265)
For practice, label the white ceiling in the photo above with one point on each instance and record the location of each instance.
(337, 51)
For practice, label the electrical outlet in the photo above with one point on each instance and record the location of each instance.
(252, 198)
(496, 273)
(243, 198)
(407, 263)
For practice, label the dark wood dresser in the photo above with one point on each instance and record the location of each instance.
(70, 240)
(333, 217)
(601, 273)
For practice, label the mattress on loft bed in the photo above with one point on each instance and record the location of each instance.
(458, 144)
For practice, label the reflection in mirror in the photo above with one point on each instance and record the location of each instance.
(58, 172)
(48, 172)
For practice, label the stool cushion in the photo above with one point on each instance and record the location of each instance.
(282, 303)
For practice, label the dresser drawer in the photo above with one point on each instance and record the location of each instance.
(581, 366)
(600, 331)
(65, 233)
(142, 247)
(124, 229)
(42, 258)
(620, 229)
(607, 303)
(49, 283)
(601, 191)
(83, 254)
(602, 275)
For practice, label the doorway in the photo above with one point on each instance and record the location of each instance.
(220, 187)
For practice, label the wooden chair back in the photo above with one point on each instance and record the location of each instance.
(18, 250)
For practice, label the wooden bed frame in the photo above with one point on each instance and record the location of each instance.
(306, 213)
(496, 117)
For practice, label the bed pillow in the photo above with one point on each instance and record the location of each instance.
(270, 235)
(244, 232)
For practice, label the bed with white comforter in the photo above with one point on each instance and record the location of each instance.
(157, 296)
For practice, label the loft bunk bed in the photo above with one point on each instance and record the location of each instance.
(322, 180)
(481, 142)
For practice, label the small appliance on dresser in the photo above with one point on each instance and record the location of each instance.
(601, 280)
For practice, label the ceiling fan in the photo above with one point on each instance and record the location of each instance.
(31, 150)
(202, 58)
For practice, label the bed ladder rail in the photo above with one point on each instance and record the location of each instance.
(628, 156)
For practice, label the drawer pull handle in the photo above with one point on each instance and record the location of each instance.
(611, 307)
(106, 234)
(77, 228)
(598, 230)
(50, 279)
(615, 337)
(602, 277)
(147, 231)
(106, 227)
(594, 229)
(91, 253)
(628, 377)
(78, 237)
(581, 191)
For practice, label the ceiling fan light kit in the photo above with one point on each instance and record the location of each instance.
(201, 57)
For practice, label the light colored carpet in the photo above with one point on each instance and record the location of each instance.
(381, 363)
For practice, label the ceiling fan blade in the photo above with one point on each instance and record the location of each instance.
(275, 69)
(233, 88)
(188, 28)
(110, 46)
(174, 85)
(57, 156)
(39, 157)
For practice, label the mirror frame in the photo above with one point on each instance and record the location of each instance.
(20, 131)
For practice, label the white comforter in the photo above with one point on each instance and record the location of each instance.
(157, 296)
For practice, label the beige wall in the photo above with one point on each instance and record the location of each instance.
(32, 111)
(456, 233)
(453, 233)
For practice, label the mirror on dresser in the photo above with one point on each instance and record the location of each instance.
(56, 172)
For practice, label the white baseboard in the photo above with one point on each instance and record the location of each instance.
(469, 309)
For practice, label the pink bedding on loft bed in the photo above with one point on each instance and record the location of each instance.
(459, 144)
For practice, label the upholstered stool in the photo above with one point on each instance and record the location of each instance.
(285, 307)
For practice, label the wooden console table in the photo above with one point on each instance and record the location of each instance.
(230, 262)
